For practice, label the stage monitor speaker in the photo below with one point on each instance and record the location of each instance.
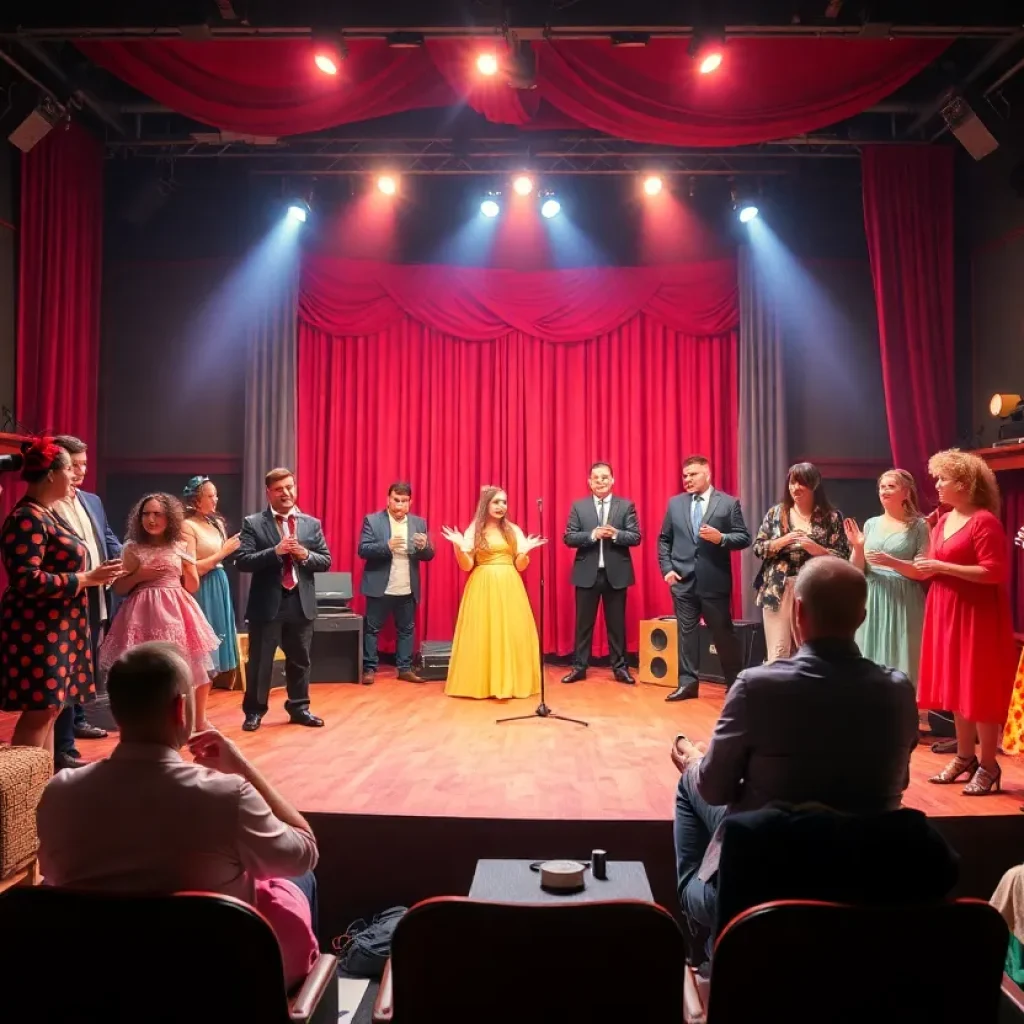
(433, 659)
(752, 650)
(970, 130)
(336, 654)
(659, 655)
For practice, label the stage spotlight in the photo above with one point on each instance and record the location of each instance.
(550, 208)
(1009, 409)
(387, 184)
(487, 64)
(706, 48)
(490, 207)
(523, 185)
(710, 62)
(653, 185)
(329, 50)
(298, 211)
(747, 213)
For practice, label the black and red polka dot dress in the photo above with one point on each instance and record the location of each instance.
(45, 651)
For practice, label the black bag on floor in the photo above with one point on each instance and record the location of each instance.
(365, 947)
(941, 724)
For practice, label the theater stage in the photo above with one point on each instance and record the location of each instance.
(407, 788)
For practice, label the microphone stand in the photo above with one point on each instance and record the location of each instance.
(542, 710)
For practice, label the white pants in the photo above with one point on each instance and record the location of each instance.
(779, 637)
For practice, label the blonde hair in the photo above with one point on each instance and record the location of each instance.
(911, 503)
(972, 473)
(487, 495)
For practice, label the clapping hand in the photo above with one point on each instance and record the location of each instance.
(1018, 540)
(397, 545)
(458, 539)
(710, 534)
(605, 533)
(529, 543)
(882, 558)
(928, 566)
(854, 534)
(419, 541)
(230, 546)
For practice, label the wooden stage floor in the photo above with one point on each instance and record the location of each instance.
(403, 749)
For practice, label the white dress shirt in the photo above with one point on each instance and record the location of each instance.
(399, 583)
(602, 520)
(73, 511)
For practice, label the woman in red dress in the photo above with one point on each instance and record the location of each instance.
(45, 653)
(968, 655)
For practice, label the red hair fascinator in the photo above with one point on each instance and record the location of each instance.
(40, 454)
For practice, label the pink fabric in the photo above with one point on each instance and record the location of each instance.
(285, 907)
(357, 298)
(161, 609)
(766, 88)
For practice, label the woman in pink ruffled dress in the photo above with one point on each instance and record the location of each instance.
(160, 577)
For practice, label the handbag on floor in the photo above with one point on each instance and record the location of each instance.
(365, 947)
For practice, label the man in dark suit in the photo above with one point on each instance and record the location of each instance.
(602, 529)
(85, 514)
(393, 543)
(282, 548)
(702, 528)
(784, 733)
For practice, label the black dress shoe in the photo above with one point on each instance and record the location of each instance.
(575, 675)
(89, 732)
(62, 761)
(622, 676)
(307, 719)
(687, 692)
(251, 723)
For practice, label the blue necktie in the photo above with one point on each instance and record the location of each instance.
(696, 514)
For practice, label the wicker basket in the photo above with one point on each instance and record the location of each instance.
(24, 772)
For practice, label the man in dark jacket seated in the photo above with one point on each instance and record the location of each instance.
(825, 727)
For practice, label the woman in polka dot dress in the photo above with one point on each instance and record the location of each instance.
(45, 653)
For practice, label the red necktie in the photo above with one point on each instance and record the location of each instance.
(289, 579)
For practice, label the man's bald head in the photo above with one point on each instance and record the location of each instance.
(831, 599)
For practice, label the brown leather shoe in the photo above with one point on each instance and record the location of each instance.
(410, 677)
(368, 678)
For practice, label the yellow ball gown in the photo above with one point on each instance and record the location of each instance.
(495, 652)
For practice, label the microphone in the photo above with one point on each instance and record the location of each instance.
(11, 463)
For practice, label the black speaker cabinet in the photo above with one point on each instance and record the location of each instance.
(752, 650)
(336, 655)
(432, 661)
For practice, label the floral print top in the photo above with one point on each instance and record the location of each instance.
(826, 529)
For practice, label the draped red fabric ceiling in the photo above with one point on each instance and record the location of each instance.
(399, 380)
(765, 89)
(908, 216)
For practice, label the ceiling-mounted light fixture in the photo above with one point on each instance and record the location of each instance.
(520, 65)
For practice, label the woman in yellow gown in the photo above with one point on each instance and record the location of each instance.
(495, 652)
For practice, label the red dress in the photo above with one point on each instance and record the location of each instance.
(45, 648)
(968, 656)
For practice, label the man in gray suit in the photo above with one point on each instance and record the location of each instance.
(702, 528)
(393, 543)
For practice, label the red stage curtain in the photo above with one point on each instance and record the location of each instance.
(450, 415)
(60, 270)
(766, 89)
(908, 216)
(357, 298)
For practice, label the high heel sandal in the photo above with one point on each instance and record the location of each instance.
(984, 782)
(955, 770)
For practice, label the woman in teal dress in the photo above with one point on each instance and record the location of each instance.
(885, 550)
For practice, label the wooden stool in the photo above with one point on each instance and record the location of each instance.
(24, 772)
(243, 656)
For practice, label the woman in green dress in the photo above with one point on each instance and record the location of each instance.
(885, 550)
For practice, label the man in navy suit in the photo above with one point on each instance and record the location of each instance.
(282, 548)
(702, 528)
(392, 543)
(84, 513)
(602, 529)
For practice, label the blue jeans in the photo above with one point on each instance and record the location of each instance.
(307, 885)
(378, 609)
(695, 823)
(71, 715)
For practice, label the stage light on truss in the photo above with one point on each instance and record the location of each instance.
(388, 184)
(707, 48)
(491, 207)
(487, 64)
(329, 50)
(747, 213)
(550, 207)
(523, 185)
(653, 185)
(298, 211)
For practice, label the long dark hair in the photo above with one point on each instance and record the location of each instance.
(807, 473)
(487, 494)
(174, 511)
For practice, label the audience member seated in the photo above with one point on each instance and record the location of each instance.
(1008, 899)
(145, 820)
(826, 726)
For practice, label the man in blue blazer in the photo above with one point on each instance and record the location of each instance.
(85, 514)
(392, 543)
(702, 528)
(282, 548)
